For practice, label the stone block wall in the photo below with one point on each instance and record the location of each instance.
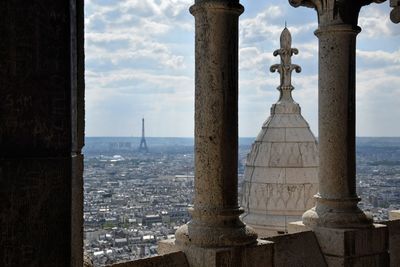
(41, 132)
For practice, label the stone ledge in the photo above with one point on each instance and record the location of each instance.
(297, 227)
(167, 246)
(176, 259)
(257, 255)
(299, 249)
(353, 242)
(394, 242)
(380, 260)
(394, 215)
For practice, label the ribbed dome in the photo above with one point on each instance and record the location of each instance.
(281, 169)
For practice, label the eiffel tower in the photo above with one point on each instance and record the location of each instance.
(143, 144)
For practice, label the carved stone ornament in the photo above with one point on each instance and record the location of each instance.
(395, 14)
(331, 12)
(286, 67)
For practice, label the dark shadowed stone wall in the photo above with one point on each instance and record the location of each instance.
(41, 132)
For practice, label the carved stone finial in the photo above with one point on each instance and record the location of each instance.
(333, 12)
(286, 67)
(395, 14)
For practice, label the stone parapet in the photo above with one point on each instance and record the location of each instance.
(175, 259)
(394, 215)
(167, 246)
(299, 249)
(354, 247)
(394, 241)
(260, 254)
(297, 227)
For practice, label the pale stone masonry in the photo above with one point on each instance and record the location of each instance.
(41, 145)
(337, 198)
(347, 236)
(216, 236)
(215, 215)
(281, 169)
(394, 215)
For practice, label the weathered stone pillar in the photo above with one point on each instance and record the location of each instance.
(216, 236)
(347, 236)
(41, 133)
(216, 213)
(337, 199)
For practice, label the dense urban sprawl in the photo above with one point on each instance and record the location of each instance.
(133, 200)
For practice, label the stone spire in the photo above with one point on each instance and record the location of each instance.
(281, 169)
(286, 67)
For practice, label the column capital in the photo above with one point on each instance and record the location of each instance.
(332, 12)
(215, 5)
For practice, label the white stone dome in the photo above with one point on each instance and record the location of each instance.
(281, 170)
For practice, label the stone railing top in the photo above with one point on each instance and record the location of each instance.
(175, 259)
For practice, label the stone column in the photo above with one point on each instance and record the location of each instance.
(41, 133)
(344, 232)
(337, 199)
(216, 213)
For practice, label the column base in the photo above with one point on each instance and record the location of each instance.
(255, 255)
(297, 227)
(337, 213)
(215, 236)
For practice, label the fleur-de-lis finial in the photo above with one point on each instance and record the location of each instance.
(286, 67)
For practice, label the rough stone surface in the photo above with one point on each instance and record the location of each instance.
(297, 227)
(260, 254)
(336, 204)
(297, 250)
(176, 259)
(395, 13)
(167, 246)
(354, 247)
(282, 167)
(394, 215)
(380, 260)
(216, 213)
(394, 242)
(87, 261)
(41, 133)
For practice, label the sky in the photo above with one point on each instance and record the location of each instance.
(140, 63)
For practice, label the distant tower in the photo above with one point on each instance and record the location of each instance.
(143, 144)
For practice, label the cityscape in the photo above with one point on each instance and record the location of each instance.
(133, 199)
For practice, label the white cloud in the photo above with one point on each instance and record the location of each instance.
(380, 56)
(139, 61)
(375, 22)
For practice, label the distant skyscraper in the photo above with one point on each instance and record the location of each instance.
(143, 144)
